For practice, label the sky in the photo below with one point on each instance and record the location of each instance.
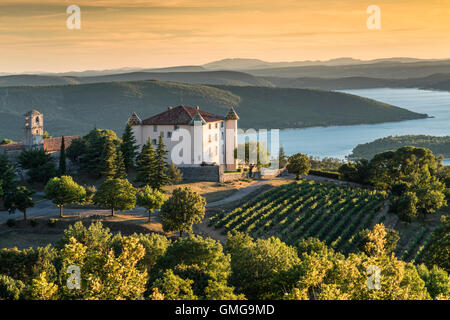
(160, 33)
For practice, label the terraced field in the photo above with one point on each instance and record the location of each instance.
(306, 209)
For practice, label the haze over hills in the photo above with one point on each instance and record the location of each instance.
(75, 109)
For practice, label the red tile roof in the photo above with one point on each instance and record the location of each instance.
(54, 144)
(180, 115)
(11, 147)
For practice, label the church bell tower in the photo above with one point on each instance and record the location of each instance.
(34, 130)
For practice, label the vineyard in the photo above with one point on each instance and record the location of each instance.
(306, 209)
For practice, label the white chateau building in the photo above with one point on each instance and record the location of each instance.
(196, 136)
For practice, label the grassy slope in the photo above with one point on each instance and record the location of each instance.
(75, 109)
(439, 145)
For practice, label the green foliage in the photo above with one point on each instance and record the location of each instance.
(129, 147)
(160, 178)
(7, 175)
(438, 253)
(109, 160)
(19, 199)
(366, 236)
(155, 246)
(436, 280)
(256, 264)
(39, 164)
(96, 152)
(252, 153)
(121, 171)
(6, 141)
(116, 194)
(62, 158)
(10, 289)
(174, 287)
(146, 163)
(64, 191)
(150, 199)
(282, 158)
(184, 208)
(326, 174)
(298, 164)
(174, 174)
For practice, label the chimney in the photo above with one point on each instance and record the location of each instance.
(197, 107)
(169, 108)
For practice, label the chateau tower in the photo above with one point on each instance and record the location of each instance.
(34, 130)
(231, 140)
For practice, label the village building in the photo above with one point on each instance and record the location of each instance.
(34, 137)
(212, 139)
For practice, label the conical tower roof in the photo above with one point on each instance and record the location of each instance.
(134, 120)
(196, 119)
(232, 115)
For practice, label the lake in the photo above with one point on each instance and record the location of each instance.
(338, 141)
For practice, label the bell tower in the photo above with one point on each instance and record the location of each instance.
(34, 130)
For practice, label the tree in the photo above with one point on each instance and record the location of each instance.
(366, 236)
(298, 164)
(128, 147)
(406, 206)
(174, 173)
(184, 208)
(64, 191)
(121, 171)
(282, 158)
(19, 199)
(62, 158)
(252, 153)
(256, 265)
(438, 253)
(116, 194)
(160, 177)
(436, 280)
(39, 164)
(150, 199)
(146, 164)
(173, 287)
(109, 159)
(7, 175)
(6, 141)
(89, 151)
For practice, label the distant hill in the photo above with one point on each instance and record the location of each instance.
(210, 77)
(383, 69)
(239, 64)
(75, 109)
(439, 81)
(438, 145)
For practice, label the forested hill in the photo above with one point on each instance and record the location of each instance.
(75, 109)
(438, 145)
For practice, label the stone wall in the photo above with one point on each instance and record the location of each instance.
(206, 173)
(233, 176)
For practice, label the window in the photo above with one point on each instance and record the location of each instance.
(177, 127)
(37, 119)
(209, 126)
(217, 125)
(154, 141)
(221, 124)
(155, 128)
(209, 138)
(169, 134)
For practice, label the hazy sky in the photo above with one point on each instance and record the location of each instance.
(158, 33)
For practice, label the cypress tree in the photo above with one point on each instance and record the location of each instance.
(62, 158)
(109, 159)
(146, 163)
(128, 147)
(161, 176)
(121, 171)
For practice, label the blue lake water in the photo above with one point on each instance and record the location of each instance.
(338, 141)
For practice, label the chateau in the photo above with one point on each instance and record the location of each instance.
(206, 138)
